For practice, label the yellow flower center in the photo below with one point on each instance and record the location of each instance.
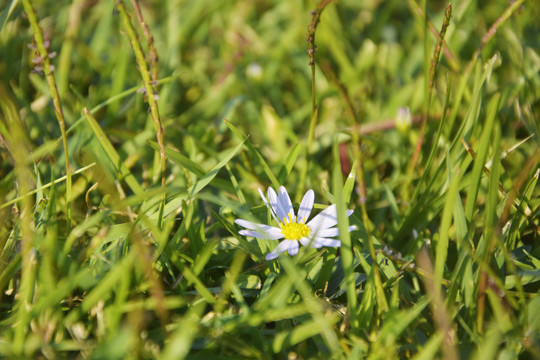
(293, 230)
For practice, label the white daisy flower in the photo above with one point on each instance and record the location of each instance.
(294, 229)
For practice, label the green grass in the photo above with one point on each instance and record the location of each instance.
(117, 209)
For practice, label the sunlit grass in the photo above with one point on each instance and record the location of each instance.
(128, 151)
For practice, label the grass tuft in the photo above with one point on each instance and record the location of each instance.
(134, 134)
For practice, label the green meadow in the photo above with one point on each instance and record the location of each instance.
(134, 134)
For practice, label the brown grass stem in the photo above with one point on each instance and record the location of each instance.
(430, 85)
(454, 64)
(51, 82)
(151, 96)
(312, 49)
(149, 41)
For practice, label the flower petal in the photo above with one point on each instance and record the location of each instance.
(262, 231)
(276, 205)
(263, 198)
(306, 206)
(293, 248)
(305, 241)
(285, 202)
(325, 219)
(261, 235)
(282, 247)
(331, 232)
(268, 205)
(320, 242)
(251, 225)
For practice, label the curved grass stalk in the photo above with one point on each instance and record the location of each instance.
(51, 82)
(150, 96)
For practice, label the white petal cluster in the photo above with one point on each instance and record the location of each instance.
(318, 232)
